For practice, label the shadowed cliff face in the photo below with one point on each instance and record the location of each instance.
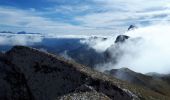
(13, 84)
(29, 74)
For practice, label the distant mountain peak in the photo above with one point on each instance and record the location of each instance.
(21, 32)
(132, 27)
(121, 38)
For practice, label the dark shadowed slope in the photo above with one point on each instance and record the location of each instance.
(155, 83)
(30, 74)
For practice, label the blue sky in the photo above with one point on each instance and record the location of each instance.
(87, 17)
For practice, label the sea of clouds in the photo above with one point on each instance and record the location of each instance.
(19, 39)
(147, 50)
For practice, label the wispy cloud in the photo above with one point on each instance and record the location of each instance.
(30, 21)
(85, 17)
(121, 13)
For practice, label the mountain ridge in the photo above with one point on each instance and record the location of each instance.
(41, 72)
(154, 83)
(21, 51)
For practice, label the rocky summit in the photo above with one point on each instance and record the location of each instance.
(121, 38)
(30, 74)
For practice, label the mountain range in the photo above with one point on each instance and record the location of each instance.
(31, 74)
(64, 69)
(21, 32)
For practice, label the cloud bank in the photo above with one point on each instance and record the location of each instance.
(19, 39)
(147, 50)
(152, 54)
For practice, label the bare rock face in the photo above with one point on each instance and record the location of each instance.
(13, 84)
(30, 74)
(121, 38)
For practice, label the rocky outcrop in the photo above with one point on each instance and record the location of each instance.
(85, 92)
(121, 38)
(84, 96)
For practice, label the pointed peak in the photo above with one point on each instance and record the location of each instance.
(132, 27)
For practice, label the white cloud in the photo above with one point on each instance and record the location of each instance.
(99, 17)
(19, 39)
(135, 5)
(100, 44)
(121, 13)
(30, 21)
(146, 51)
(71, 9)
